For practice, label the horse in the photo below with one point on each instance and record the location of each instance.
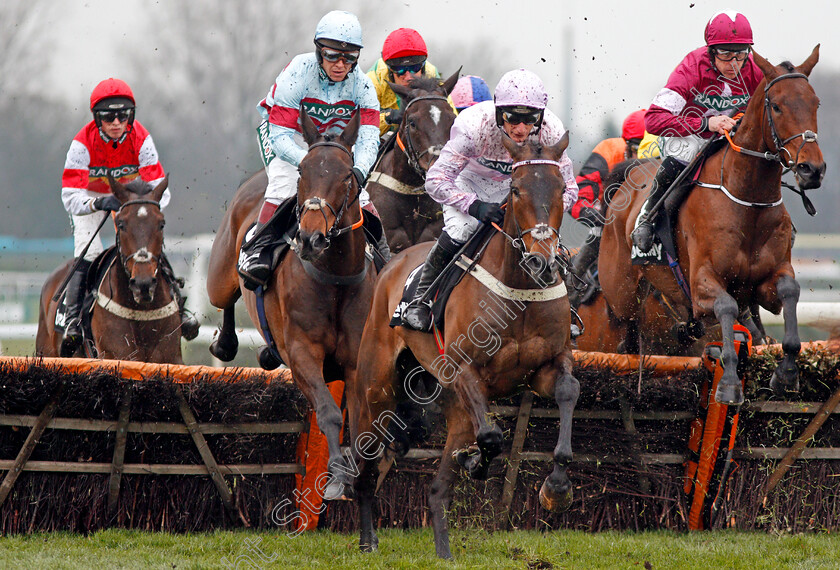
(396, 184)
(135, 314)
(740, 255)
(318, 300)
(518, 339)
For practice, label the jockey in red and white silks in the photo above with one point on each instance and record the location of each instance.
(474, 165)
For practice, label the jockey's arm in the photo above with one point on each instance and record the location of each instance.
(570, 194)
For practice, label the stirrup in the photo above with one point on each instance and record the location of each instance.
(643, 236)
(410, 321)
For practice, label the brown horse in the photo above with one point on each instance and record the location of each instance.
(135, 316)
(396, 184)
(513, 336)
(732, 234)
(320, 295)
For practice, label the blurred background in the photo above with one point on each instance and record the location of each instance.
(198, 69)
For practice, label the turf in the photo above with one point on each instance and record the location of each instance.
(413, 549)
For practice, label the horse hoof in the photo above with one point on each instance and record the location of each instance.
(338, 491)
(268, 359)
(729, 394)
(369, 545)
(224, 351)
(553, 501)
(785, 382)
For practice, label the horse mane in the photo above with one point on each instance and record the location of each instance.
(425, 83)
(139, 186)
(616, 178)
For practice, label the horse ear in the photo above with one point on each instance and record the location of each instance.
(558, 149)
(400, 90)
(157, 193)
(767, 68)
(449, 84)
(512, 147)
(310, 131)
(809, 63)
(351, 131)
(120, 191)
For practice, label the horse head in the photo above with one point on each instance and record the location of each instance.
(140, 234)
(790, 107)
(327, 187)
(427, 119)
(536, 204)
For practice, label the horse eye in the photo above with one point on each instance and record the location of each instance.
(120, 225)
(163, 223)
(515, 191)
(412, 124)
(775, 108)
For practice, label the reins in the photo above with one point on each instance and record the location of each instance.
(408, 147)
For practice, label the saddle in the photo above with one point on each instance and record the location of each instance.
(447, 281)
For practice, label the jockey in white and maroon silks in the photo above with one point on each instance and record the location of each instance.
(112, 143)
(708, 87)
(472, 176)
(330, 87)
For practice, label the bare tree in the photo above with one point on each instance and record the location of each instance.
(24, 45)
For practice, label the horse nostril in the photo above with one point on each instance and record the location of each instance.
(317, 241)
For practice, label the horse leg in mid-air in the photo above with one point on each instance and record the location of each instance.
(786, 375)
(226, 344)
(488, 435)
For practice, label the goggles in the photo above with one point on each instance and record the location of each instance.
(402, 70)
(109, 116)
(518, 118)
(333, 55)
(729, 55)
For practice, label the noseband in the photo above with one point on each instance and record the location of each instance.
(408, 148)
(142, 255)
(318, 204)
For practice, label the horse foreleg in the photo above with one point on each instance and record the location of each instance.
(729, 390)
(786, 375)
(459, 434)
(226, 345)
(556, 490)
(750, 319)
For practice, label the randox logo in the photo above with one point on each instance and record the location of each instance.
(497, 165)
(323, 112)
(721, 102)
(118, 172)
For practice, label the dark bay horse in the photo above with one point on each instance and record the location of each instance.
(396, 184)
(504, 337)
(135, 315)
(732, 234)
(320, 295)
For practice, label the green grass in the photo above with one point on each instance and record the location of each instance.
(414, 549)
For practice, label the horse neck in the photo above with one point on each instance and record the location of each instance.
(747, 176)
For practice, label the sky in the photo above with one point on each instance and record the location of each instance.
(603, 59)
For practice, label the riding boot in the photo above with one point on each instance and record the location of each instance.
(418, 314)
(383, 249)
(74, 295)
(587, 255)
(254, 265)
(665, 176)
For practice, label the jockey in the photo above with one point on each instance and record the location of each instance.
(330, 87)
(403, 58)
(469, 90)
(472, 176)
(590, 181)
(710, 84)
(112, 143)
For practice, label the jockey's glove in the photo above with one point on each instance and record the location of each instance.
(360, 177)
(108, 203)
(394, 116)
(487, 212)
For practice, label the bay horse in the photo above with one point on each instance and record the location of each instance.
(396, 183)
(319, 297)
(732, 233)
(135, 314)
(499, 344)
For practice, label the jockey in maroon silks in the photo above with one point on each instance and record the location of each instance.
(709, 86)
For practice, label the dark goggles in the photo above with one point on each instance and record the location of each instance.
(729, 55)
(519, 118)
(109, 116)
(403, 69)
(333, 55)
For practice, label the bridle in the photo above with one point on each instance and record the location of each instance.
(408, 147)
(808, 136)
(317, 203)
(142, 255)
(540, 232)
